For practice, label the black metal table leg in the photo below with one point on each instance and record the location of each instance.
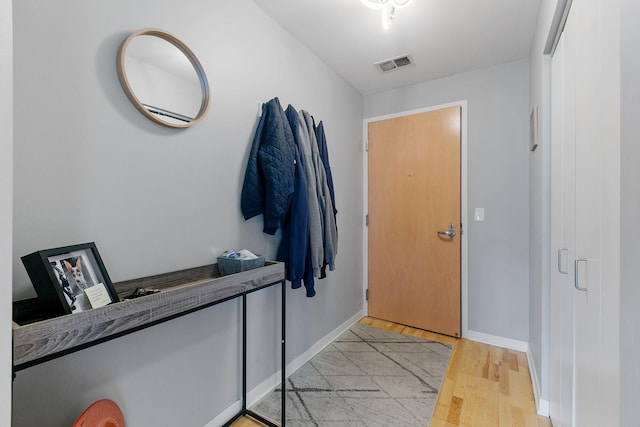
(283, 354)
(244, 353)
(248, 412)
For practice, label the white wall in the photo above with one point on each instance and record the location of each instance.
(540, 199)
(89, 167)
(630, 212)
(6, 205)
(498, 140)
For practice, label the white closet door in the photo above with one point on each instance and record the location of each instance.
(609, 14)
(589, 144)
(585, 226)
(563, 227)
(563, 233)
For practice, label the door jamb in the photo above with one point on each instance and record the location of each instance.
(464, 284)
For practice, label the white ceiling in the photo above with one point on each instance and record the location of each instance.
(444, 37)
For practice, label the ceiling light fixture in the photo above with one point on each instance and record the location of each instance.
(388, 9)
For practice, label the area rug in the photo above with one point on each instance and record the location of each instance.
(367, 377)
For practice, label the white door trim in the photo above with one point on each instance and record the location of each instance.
(6, 207)
(464, 303)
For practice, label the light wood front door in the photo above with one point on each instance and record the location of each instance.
(414, 193)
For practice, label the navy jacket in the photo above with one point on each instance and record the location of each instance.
(294, 248)
(268, 180)
(324, 155)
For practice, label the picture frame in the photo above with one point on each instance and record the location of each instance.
(534, 129)
(70, 279)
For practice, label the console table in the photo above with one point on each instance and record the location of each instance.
(181, 292)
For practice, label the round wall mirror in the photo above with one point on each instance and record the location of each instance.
(163, 78)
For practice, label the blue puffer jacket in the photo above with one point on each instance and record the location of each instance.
(268, 180)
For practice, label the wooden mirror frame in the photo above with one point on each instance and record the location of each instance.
(128, 90)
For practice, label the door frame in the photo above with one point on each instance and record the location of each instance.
(464, 301)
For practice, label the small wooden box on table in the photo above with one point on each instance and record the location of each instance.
(181, 292)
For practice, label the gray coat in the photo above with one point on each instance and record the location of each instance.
(329, 230)
(315, 219)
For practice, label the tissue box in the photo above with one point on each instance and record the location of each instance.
(233, 265)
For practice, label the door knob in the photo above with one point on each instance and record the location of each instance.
(450, 232)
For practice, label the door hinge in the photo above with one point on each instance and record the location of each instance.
(366, 220)
(366, 145)
(366, 294)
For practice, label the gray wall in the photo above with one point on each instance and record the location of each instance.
(6, 204)
(89, 167)
(630, 212)
(540, 200)
(498, 180)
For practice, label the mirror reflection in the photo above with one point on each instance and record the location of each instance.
(163, 78)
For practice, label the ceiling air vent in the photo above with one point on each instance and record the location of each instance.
(394, 63)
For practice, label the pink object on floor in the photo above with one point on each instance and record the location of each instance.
(103, 413)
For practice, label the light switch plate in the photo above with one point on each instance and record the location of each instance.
(479, 216)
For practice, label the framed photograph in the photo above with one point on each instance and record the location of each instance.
(534, 129)
(70, 279)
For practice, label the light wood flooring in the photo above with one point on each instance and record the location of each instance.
(484, 385)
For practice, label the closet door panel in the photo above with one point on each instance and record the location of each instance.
(611, 231)
(556, 408)
(588, 216)
(584, 364)
(569, 225)
(563, 187)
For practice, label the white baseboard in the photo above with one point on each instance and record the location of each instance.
(543, 408)
(273, 381)
(542, 405)
(225, 415)
(503, 342)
